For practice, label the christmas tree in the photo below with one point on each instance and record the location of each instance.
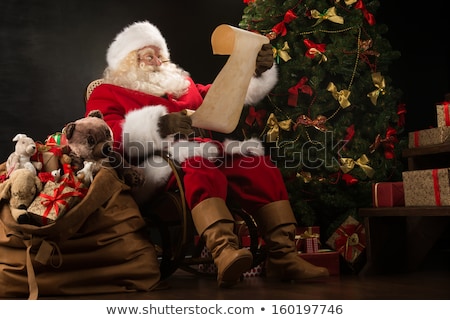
(333, 124)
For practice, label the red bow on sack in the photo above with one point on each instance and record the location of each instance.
(351, 241)
(369, 17)
(293, 91)
(280, 28)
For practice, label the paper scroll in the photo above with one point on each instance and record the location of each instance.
(222, 106)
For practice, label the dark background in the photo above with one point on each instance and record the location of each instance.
(51, 49)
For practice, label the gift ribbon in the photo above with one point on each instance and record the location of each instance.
(280, 28)
(349, 240)
(330, 14)
(293, 91)
(340, 96)
(446, 115)
(275, 126)
(416, 138)
(348, 164)
(56, 199)
(401, 111)
(379, 83)
(437, 192)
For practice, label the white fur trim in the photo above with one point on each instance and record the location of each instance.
(250, 147)
(134, 37)
(140, 135)
(260, 86)
(183, 149)
(157, 172)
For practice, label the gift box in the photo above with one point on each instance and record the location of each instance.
(428, 137)
(388, 194)
(430, 187)
(324, 258)
(349, 240)
(308, 239)
(53, 201)
(443, 114)
(48, 156)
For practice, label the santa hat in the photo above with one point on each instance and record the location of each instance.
(134, 37)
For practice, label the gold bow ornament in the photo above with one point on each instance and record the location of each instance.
(340, 96)
(275, 126)
(378, 82)
(282, 53)
(330, 14)
(347, 165)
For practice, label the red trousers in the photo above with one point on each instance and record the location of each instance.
(250, 182)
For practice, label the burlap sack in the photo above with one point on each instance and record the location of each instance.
(97, 247)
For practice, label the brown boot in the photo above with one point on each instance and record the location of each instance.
(215, 223)
(277, 224)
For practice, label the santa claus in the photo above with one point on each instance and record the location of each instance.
(145, 99)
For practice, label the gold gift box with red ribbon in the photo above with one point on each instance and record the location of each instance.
(349, 239)
(428, 137)
(443, 114)
(53, 201)
(429, 187)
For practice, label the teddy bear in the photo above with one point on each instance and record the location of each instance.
(90, 139)
(21, 157)
(20, 189)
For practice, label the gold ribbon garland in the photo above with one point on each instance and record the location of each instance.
(340, 96)
(330, 14)
(348, 164)
(274, 127)
(379, 83)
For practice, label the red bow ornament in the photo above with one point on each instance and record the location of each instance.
(300, 86)
(280, 28)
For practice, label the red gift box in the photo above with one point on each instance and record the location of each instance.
(308, 239)
(324, 258)
(388, 194)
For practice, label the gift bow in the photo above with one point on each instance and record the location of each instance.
(350, 241)
(280, 28)
(282, 53)
(378, 82)
(293, 91)
(275, 126)
(340, 96)
(56, 199)
(330, 14)
(309, 234)
(348, 164)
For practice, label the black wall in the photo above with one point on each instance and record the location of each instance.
(51, 49)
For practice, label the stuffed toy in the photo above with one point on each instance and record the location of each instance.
(90, 139)
(20, 189)
(21, 157)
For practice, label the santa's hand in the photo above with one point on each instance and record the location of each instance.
(264, 60)
(175, 122)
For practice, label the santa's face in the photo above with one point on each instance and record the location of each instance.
(146, 70)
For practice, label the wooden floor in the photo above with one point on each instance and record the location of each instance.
(430, 282)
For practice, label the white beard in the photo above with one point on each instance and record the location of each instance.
(158, 81)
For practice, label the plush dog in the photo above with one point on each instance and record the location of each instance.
(20, 189)
(21, 157)
(90, 140)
